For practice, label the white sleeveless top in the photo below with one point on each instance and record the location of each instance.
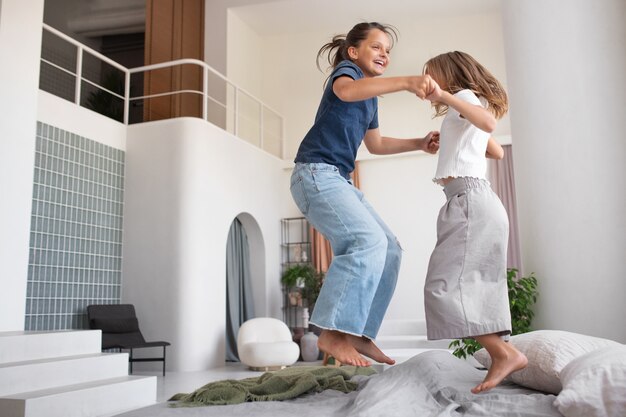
(462, 145)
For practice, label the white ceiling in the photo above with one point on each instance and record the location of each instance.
(94, 18)
(273, 17)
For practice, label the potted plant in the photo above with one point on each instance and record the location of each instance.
(522, 296)
(302, 285)
(105, 103)
(306, 279)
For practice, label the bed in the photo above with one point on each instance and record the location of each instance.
(435, 383)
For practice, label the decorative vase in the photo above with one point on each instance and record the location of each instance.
(308, 347)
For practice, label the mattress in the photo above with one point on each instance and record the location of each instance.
(433, 383)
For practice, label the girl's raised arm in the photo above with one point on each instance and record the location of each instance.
(383, 145)
(477, 115)
(349, 90)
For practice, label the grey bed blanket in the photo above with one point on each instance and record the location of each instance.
(431, 384)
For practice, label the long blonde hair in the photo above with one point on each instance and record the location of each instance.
(459, 71)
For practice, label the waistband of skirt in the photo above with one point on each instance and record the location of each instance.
(458, 185)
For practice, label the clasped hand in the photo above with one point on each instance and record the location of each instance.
(431, 142)
(424, 86)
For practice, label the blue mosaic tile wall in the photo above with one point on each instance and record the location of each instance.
(76, 229)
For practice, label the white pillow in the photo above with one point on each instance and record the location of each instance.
(548, 352)
(594, 385)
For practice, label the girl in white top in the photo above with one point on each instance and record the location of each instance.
(465, 292)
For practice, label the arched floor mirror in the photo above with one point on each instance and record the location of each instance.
(245, 278)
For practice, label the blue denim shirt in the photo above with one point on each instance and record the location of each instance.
(339, 126)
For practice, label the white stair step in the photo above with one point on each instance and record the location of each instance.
(397, 327)
(48, 373)
(410, 342)
(94, 399)
(23, 346)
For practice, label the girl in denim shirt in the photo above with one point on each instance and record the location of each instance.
(362, 275)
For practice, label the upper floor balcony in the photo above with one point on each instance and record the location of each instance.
(86, 77)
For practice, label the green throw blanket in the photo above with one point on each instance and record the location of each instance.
(281, 385)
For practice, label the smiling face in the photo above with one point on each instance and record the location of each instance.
(372, 54)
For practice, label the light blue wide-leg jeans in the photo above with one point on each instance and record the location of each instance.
(362, 276)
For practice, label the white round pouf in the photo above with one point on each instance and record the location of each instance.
(265, 343)
(308, 347)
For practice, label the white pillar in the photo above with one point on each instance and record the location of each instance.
(566, 67)
(20, 45)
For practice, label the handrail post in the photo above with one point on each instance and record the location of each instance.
(126, 96)
(236, 109)
(261, 127)
(283, 149)
(205, 93)
(79, 74)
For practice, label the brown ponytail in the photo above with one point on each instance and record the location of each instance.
(337, 49)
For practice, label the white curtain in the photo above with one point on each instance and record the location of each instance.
(502, 178)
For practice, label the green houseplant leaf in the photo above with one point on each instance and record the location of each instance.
(105, 103)
(311, 279)
(523, 294)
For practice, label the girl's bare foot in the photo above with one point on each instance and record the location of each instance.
(505, 359)
(337, 345)
(367, 347)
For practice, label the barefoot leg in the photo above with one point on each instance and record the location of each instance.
(367, 347)
(505, 359)
(337, 345)
(326, 361)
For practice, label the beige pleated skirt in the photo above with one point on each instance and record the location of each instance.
(466, 292)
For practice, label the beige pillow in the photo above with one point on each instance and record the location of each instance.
(548, 352)
(594, 384)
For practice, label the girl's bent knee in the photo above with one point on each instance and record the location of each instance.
(378, 241)
(394, 250)
(370, 240)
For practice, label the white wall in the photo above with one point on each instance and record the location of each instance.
(400, 188)
(402, 191)
(19, 81)
(567, 88)
(215, 29)
(186, 181)
(245, 49)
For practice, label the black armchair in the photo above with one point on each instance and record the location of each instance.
(120, 329)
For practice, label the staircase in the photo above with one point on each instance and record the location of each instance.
(403, 339)
(65, 374)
